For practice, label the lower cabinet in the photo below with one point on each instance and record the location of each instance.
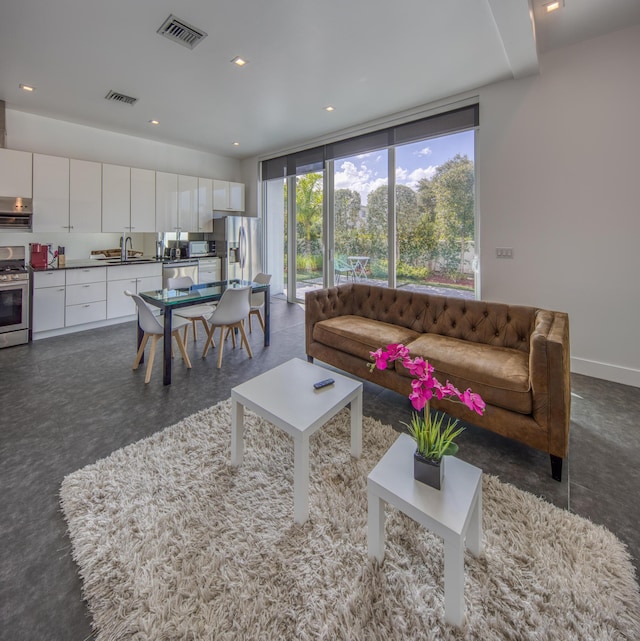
(134, 278)
(86, 296)
(48, 300)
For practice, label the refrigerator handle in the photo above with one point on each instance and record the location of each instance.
(242, 241)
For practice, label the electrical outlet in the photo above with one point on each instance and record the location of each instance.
(504, 252)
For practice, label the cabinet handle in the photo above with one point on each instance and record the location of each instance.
(86, 305)
(86, 285)
(61, 289)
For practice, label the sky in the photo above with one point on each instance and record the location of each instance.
(366, 172)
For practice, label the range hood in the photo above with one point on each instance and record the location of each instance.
(16, 213)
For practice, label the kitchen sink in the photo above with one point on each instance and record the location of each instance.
(118, 261)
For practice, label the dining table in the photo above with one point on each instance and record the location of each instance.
(170, 300)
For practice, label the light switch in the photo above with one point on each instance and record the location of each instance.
(504, 252)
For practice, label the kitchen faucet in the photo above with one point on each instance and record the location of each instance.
(123, 246)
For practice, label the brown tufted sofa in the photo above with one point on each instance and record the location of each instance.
(515, 357)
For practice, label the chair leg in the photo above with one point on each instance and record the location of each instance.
(152, 353)
(143, 344)
(210, 342)
(203, 320)
(244, 339)
(185, 335)
(221, 346)
(260, 319)
(195, 331)
(250, 330)
(183, 351)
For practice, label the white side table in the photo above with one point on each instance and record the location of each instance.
(454, 512)
(285, 396)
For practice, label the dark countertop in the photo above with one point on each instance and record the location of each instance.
(115, 262)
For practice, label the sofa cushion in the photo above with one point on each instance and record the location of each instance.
(358, 335)
(499, 374)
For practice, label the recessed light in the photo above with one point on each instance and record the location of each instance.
(27, 88)
(236, 144)
(552, 6)
(241, 62)
(329, 108)
(154, 122)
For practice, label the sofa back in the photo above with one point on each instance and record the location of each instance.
(471, 320)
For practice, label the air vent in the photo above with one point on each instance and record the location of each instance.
(181, 32)
(120, 97)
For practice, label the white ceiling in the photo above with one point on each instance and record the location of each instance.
(367, 58)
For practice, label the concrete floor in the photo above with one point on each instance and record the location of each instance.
(67, 401)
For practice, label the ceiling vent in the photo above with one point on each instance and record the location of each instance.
(181, 32)
(120, 97)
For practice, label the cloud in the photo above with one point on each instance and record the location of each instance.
(425, 151)
(412, 178)
(357, 178)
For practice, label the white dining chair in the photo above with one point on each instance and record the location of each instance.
(257, 299)
(154, 329)
(193, 313)
(232, 309)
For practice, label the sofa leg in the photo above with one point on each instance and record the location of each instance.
(556, 467)
(309, 359)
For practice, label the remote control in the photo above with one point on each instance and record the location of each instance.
(320, 384)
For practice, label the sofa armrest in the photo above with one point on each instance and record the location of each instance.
(550, 372)
(320, 304)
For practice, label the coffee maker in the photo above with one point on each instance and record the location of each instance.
(39, 255)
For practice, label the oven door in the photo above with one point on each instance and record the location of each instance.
(14, 306)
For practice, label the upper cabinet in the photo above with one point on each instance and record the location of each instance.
(50, 193)
(143, 200)
(16, 176)
(116, 198)
(228, 196)
(188, 203)
(166, 201)
(85, 196)
(205, 204)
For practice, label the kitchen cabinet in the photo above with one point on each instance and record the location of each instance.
(85, 196)
(50, 193)
(116, 198)
(228, 196)
(188, 203)
(48, 300)
(166, 201)
(205, 204)
(16, 173)
(135, 278)
(143, 200)
(86, 296)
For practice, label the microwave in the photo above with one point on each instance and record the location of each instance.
(198, 248)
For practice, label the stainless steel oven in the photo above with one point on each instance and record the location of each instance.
(14, 297)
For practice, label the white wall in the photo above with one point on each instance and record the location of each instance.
(559, 182)
(29, 132)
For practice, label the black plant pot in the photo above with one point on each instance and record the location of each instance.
(428, 471)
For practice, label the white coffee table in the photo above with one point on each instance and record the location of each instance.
(454, 512)
(285, 396)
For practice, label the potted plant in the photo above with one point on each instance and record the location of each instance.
(433, 441)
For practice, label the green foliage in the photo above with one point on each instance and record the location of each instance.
(432, 440)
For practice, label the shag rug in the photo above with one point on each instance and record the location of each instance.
(172, 542)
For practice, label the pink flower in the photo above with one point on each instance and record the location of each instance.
(380, 358)
(424, 386)
(473, 401)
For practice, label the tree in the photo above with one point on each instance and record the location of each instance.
(309, 208)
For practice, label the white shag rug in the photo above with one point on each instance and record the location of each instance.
(172, 542)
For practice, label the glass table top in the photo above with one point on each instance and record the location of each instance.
(196, 293)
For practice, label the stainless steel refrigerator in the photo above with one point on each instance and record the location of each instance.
(239, 245)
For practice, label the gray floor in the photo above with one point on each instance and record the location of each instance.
(67, 401)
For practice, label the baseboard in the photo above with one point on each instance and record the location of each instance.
(81, 328)
(606, 371)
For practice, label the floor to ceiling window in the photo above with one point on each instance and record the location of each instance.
(394, 207)
(435, 214)
(360, 217)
